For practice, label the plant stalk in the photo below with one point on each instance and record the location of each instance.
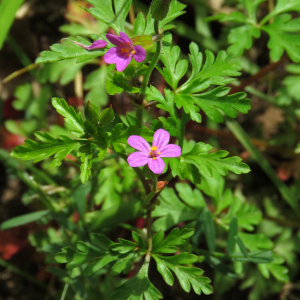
(153, 62)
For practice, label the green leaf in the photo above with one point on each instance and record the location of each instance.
(215, 100)
(282, 6)
(139, 24)
(68, 50)
(137, 288)
(50, 145)
(110, 187)
(241, 38)
(213, 186)
(119, 138)
(276, 269)
(116, 83)
(175, 238)
(85, 151)
(63, 71)
(207, 162)
(281, 39)
(175, 10)
(104, 12)
(192, 198)
(217, 71)
(256, 242)
(95, 84)
(24, 219)
(116, 214)
(8, 10)
(187, 276)
(209, 230)
(247, 214)
(171, 211)
(75, 121)
(232, 233)
(214, 72)
(291, 82)
(173, 70)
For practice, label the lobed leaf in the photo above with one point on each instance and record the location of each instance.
(68, 50)
(187, 276)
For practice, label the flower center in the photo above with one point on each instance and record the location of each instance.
(153, 153)
(127, 48)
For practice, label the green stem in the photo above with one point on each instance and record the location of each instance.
(244, 139)
(139, 114)
(153, 62)
(64, 293)
(23, 274)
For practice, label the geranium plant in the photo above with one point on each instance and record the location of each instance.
(141, 165)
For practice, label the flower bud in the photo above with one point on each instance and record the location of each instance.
(159, 9)
(145, 41)
(91, 113)
(160, 185)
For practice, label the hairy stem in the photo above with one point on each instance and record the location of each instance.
(153, 62)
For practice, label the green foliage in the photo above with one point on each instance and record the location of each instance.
(68, 50)
(282, 30)
(175, 238)
(103, 11)
(73, 119)
(102, 252)
(50, 145)
(198, 160)
(187, 276)
(24, 219)
(137, 288)
(213, 72)
(282, 37)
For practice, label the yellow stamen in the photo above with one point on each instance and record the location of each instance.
(153, 148)
(133, 52)
(149, 152)
(158, 152)
(153, 158)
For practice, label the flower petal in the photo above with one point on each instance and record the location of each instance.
(137, 159)
(111, 56)
(97, 45)
(139, 143)
(156, 165)
(161, 138)
(122, 62)
(140, 53)
(170, 150)
(114, 39)
(125, 38)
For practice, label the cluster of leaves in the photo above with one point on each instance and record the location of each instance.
(84, 136)
(230, 213)
(101, 252)
(282, 29)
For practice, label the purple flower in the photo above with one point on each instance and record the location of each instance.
(122, 54)
(152, 155)
(96, 45)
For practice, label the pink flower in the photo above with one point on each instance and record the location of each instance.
(152, 155)
(96, 45)
(122, 54)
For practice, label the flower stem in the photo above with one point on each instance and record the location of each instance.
(153, 62)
